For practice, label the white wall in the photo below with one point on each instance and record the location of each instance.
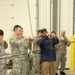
(67, 22)
(44, 14)
(14, 12)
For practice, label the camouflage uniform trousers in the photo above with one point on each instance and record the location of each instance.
(3, 67)
(20, 67)
(36, 66)
(60, 60)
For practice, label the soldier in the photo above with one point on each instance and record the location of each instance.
(3, 55)
(19, 46)
(36, 55)
(25, 45)
(14, 44)
(61, 52)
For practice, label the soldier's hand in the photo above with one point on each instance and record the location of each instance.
(66, 40)
(3, 41)
(62, 38)
(9, 55)
(29, 38)
(48, 34)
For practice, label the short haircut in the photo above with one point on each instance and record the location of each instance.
(17, 26)
(39, 31)
(53, 32)
(44, 30)
(1, 32)
(63, 31)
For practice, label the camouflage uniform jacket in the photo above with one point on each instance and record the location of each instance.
(23, 47)
(36, 47)
(62, 46)
(14, 45)
(19, 47)
(3, 55)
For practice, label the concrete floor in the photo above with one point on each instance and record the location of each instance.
(68, 72)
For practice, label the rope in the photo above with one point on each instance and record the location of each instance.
(30, 17)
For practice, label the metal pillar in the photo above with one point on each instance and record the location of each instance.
(59, 16)
(50, 15)
(37, 15)
(74, 17)
(55, 15)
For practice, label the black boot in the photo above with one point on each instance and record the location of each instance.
(62, 73)
(56, 73)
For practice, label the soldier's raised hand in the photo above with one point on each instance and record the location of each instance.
(3, 41)
(29, 38)
(9, 55)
